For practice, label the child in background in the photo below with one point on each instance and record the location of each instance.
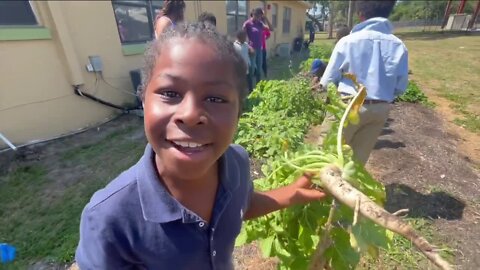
(182, 205)
(266, 35)
(171, 14)
(254, 28)
(341, 32)
(316, 71)
(244, 50)
(208, 18)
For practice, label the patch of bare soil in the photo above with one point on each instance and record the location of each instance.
(468, 142)
(424, 169)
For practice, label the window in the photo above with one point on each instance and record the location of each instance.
(287, 16)
(16, 13)
(236, 15)
(135, 19)
(274, 15)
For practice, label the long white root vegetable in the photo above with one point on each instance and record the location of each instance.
(341, 190)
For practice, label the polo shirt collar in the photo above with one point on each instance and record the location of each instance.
(157, 203)
(377, 24)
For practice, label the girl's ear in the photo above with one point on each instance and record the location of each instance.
(141, 94)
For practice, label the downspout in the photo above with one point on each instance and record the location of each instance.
(10, 144)
(65, 41)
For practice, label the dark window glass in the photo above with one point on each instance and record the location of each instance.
(236, 15)
(274, 15)
(287, 14)
(135, 19)
(16, 13)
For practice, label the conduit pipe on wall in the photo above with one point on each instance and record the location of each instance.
(76, 89)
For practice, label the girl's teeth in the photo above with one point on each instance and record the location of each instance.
(188, 144)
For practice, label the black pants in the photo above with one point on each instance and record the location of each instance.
(250, 83)
(264, 65)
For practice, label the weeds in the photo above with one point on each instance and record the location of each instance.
(413, 94)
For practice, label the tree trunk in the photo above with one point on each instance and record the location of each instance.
(351, 7)
(330, 20)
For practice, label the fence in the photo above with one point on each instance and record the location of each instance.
(426, 25)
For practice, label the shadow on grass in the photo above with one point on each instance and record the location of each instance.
(436, 205)
(434, 35)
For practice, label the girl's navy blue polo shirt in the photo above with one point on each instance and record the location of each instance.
(134, 223)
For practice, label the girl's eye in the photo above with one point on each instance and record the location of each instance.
(216, 100)
(170, 94)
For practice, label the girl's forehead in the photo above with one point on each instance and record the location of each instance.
(193, 48)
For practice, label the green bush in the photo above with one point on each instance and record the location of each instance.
(413, 94)
(278, 117)
(321, 51)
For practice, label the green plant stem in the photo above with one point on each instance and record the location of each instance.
(318, 260)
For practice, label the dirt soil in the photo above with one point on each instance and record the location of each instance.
(423, 166)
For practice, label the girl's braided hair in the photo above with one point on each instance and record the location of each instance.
(202, 33)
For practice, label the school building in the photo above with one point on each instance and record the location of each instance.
(52, 52)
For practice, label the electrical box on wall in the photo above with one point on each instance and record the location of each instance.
(96, 63)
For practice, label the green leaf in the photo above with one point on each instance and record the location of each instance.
(266, 246)
(368, 233)
(341, 255)
(241, 238)
(282, 252)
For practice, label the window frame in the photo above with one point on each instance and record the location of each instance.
(150, 12)
(236, 15)
(274, 19)
(20, 32)
(286, 23)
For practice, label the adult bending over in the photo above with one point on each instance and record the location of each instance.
(380, 61)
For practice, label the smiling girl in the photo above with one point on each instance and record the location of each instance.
(182, 205)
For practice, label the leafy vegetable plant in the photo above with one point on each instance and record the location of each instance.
(279, 115)
(413, 94)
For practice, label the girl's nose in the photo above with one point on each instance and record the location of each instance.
(190, 112)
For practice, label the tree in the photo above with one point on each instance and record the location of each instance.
(351, 7)
(426, 10)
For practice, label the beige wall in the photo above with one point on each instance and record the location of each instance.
(37, 101)
(296, 24)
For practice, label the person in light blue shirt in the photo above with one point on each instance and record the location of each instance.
(380, 62)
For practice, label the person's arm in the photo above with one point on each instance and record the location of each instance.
(267, 33)
(402, 77)
(96, 249)
(299, 192)
(333, 72)
(267, 21)
(160, 25)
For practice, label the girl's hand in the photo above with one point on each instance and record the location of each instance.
(304, 191)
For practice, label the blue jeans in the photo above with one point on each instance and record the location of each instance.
(256, 61)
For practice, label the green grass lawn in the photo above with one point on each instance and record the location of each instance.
(449, 65)
(42, 200)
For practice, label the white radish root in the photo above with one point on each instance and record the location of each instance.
(332, 183)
